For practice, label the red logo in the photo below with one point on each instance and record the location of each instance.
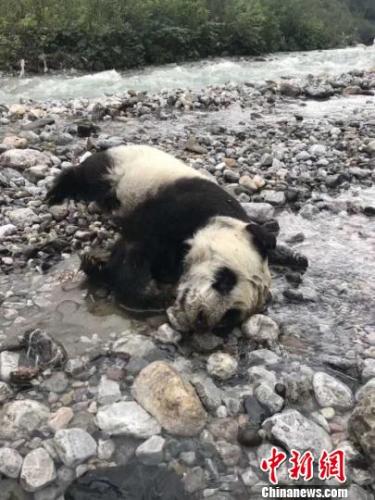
(331, 465)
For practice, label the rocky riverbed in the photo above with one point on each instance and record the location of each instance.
(84, 387)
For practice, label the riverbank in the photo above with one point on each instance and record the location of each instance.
(300, 150)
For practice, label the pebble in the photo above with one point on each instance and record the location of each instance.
(331, 392)
(106, 448)
(74, 446)
(10, 462)
(134, 344)
(38, 470)
(60, 419)
(368, 369)
(261, 329)
(19, 419)
(127, 418)
(151, 451)
(221, 365)
(108, 391)
(229, 453)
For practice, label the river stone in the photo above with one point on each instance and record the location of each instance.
(260, 212)
(362, 425)
(161, 390)
(368, 369)
(38, 470)
(208, 392)
(221, 365)
(331, 392)
(229, 453)
(263, 356)
(22, 216)
(127, 418)
(7, 230)
(24, 158)
(61, 418)
(108, 391)
(10, 462)
(262, 329)
(5, 392)
(365, 390)
(132, 481)
(9, 361)
(19, 419)
(267, 397)
(297, 432)
(151, 451)
(134, 344)
(14, 142)
(74, 446)
(274, 197)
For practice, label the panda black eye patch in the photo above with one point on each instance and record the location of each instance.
(225, 280)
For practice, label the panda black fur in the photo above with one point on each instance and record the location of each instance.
(185, 242)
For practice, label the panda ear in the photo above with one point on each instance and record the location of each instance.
(263, 236)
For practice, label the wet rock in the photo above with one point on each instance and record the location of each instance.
(14, 142)
(125, 482)
(10, 462)
(58, 382)
(331, 392)
(368, 369)
(9, 362)
(362, 425)
(133, 344)
(127, 418)
(151, 451)
(208, 392)
(289, 89)
(267, 397)
(38, 470)
(319, 92)
(22, 217)
(261, 329)
(261, 374)
(7, 230)
(20, 418)
(256, 412)
(194, 147)
(221, 365)
(38, 124)
(263, 356)
(86, 128)
(167, 335)
(365, 390)
(74, 446)
(224, 429)
(297, 432)
(24, 158)
(5, 392)
(161, 390)
(60, 419)
(259, 212)
(206, 342)
(108, 391)
(248, 435)
(106, 448)
(229, 453)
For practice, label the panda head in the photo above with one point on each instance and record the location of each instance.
(226, 276)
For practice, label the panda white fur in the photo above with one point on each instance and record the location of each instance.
(185, 244)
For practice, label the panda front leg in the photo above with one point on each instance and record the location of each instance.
(126, 272)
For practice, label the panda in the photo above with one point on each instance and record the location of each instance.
(185, 244)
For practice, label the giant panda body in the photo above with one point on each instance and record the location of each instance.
(185, 243)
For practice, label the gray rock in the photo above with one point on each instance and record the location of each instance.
(20, 418)
(259, 212)
(22, 217)
(266, 160)
(7, 230)
(250, 477)
(364, 391)
(133, 344)
(266, 395)
(368, 369)
(297, 432)
(260, 374)
(10, 462)
(9, 361)
(221, 365)
(195, 480)
(127, 418)
(106, 448)
(274, 197)
(261, 329)
(151, 451)
(331, 392)
(57, 382)
(318, 150)
(263, 356)
(167, 335)
(24, 158)
(362, 425)
(229, 453)
(5, 392)
(108, 391)
(208, 392)
(74, 446)
(38, 470)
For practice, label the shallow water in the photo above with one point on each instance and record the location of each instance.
(188, 75)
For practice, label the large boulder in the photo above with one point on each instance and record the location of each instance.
(161, 390)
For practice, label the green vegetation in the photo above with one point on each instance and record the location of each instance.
(104, 34)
